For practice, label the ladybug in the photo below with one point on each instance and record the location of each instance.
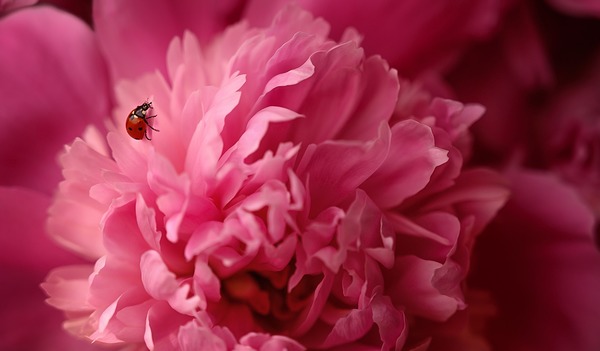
(137, 122)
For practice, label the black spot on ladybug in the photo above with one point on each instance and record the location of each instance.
(130, 128)
(140, 128)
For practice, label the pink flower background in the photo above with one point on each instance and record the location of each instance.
(327, 175)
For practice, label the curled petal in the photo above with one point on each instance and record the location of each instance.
(161, 284)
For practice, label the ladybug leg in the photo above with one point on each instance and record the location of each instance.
(148, 124)
(154, 129)
(146, 135)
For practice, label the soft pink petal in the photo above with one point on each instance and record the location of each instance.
(162, 284)
(391, 322)
(265, 342)
(193, 337)
(121, 234)
(335, 169)
(206, 284)
(409, 166)
(318, 300)
(128, 30)
(257, 127)
(479, 193)
(74, 212)
(206, 144)
(351, 327)
(67, 288)
(327, 118)
(415, 288)
(162, 323)
(432, 236)
(50, 96)
(380, 89)
(111, 279)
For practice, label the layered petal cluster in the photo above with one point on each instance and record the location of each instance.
(297, 196)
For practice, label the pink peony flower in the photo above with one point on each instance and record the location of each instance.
(297, 196)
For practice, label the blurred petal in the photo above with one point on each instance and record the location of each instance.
(135, 34)
(423, 34)
(541, 264)
(52, 86)
(578, 7)
(8, 5)
(26, 255)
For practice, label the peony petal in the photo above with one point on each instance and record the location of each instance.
(121, 234)
(114, 279)
(291, 77)
(318, 300)
(193, 337)
(162, 284)
(206, 145)
(349, 328)
(415, 288)
(49, 97)
(206, 282)
(336, 169)
(257, 128)
(423, 35)
(380, 88)
(265, 342)
(67, 288)
(74, 218)
(162, 323)
(408, 168)
(136, 35)
(479, 192)
(146, 221)
(391, 322)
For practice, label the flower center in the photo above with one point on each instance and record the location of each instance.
(266, 295)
